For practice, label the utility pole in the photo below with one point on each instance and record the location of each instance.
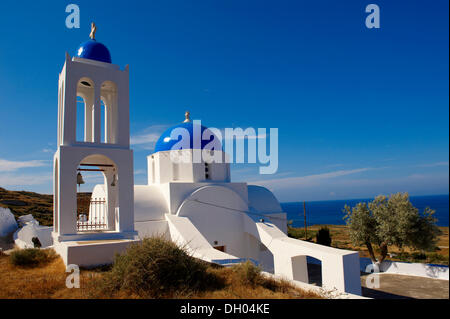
(304, 216)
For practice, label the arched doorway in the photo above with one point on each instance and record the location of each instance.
(217, 213)
(314, 271)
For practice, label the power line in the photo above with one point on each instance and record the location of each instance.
(236, 210)
(248, 212)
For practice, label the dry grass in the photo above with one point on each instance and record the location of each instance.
(31, 257)
(158, 268)
(48, 281)
(264, 288)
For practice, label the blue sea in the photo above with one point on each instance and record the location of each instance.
(330, 212)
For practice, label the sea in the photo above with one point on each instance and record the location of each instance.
(330, 212)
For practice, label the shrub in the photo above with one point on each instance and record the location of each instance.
(31, 257)
(323, 236)
(391, 221)
(156, 267)
(299, 233)
(418, 255)
(435, 258)
(248, 273)
(36, 242)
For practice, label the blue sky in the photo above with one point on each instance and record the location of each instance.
(359, 111)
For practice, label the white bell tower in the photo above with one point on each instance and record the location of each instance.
(92, 77)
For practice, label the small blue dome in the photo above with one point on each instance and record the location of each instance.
(165, 143)
(94, 50)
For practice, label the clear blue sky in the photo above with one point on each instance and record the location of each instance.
(359, 111)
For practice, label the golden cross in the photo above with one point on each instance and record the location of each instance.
(93, 30)
(187, 116)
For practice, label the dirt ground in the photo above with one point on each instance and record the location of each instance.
(393, 286)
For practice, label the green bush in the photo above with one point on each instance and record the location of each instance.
(418, 256)
(299, 233)
(435, 258)
(323, 236)
(31, 257)
(36, 242)
(156, 267)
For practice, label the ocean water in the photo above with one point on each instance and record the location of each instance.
(330, 212)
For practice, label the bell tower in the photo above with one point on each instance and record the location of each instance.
(105, 147)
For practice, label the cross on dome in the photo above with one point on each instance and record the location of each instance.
(187, 117)
(93, 30)
(94, 50)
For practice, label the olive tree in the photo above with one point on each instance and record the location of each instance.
(388, 221)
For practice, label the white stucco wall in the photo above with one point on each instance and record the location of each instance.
(216, 211)
(404, 268)
(153, 228)
(162, 169)
(23, 237)
(8, 223)
(149, 203)
(178, 192)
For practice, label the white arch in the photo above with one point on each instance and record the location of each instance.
(216, 211)
(106, 191)
(263, 200)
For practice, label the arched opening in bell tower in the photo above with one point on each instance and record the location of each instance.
(80, 119)
(85, 110)
(108, 95)
(103, 117)
(97, 194)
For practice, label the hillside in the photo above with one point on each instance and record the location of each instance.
(39, 205)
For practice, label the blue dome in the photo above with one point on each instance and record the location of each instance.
(94, 50)
(165, 143)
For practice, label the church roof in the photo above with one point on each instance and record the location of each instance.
(94, 50)
(166, 143)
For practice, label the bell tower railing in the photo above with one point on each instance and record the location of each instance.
(97, 219)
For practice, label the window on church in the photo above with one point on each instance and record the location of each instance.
(176, 171)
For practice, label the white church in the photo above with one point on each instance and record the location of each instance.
(194, 204)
